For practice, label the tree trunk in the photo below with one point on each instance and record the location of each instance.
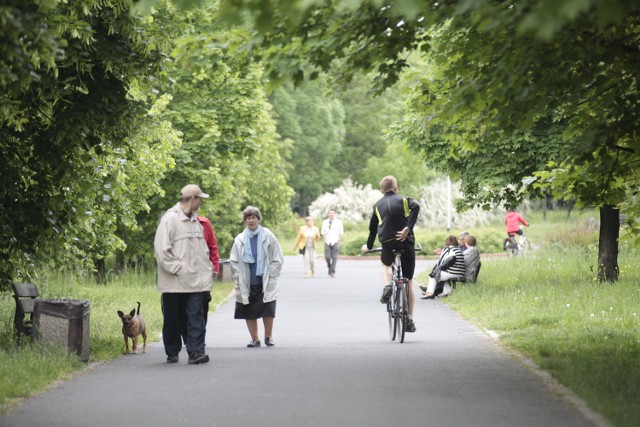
(608, 244)
(545, 206)
(120, 261)
(570, 206)
(100, 273)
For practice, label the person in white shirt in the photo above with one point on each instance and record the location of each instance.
(332, 232)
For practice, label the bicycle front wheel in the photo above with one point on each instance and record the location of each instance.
(392, 331)
(401, 313)
(391, 310)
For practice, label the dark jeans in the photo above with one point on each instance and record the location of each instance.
(205, 313)
(179, 309)
(205, 306)
(331, 255)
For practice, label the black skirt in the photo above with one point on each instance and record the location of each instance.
(257, 308)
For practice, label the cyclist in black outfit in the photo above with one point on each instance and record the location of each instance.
(393, 219)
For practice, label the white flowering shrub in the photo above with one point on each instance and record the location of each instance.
(354, 202)
(434, 203)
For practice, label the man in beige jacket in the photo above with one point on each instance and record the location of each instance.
(184, 275)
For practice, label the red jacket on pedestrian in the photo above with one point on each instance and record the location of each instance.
(212, 243)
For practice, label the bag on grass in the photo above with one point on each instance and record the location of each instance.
(435, 273)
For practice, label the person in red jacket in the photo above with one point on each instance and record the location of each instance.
(513, 220)
(212, 244)
(214, 257)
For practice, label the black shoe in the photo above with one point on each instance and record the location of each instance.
(423, 288)
(253, 343)
(197, 358)
(172, 359)
(386, 294)
(410, 326)
(269, 342)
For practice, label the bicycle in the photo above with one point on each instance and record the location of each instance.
(398, 304)
(513, 248)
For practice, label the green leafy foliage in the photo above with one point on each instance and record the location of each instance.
(336, 128)
(72, 163)
(230, 147)
(366, 119)
(546, 82)
(402, 162)
(314, 123)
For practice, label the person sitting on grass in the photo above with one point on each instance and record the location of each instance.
(450, 266)
(471, 259)
(462, 241)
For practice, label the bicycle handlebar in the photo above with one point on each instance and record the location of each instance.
(418, 248)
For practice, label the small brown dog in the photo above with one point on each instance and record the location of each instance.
(133, 326)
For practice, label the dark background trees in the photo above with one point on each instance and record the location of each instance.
(315, 125)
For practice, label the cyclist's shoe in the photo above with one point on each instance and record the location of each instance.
(423, 288)
(386, 294)
(410, 326)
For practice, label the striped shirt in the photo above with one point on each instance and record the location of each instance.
(458, 267)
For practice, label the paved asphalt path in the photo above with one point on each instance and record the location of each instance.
(333, 365)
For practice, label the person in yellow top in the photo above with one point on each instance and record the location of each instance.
(306, 245)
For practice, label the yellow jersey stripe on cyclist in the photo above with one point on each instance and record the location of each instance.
(378, 215)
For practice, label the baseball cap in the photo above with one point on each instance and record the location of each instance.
(192, 190)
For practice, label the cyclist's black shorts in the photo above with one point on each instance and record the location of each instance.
(519, 232)
(408, 257)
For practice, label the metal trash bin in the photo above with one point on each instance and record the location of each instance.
(63, 322)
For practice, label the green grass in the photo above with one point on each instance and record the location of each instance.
(549, 307)
(29, 369)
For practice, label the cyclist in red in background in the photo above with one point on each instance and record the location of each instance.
(513, 221)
